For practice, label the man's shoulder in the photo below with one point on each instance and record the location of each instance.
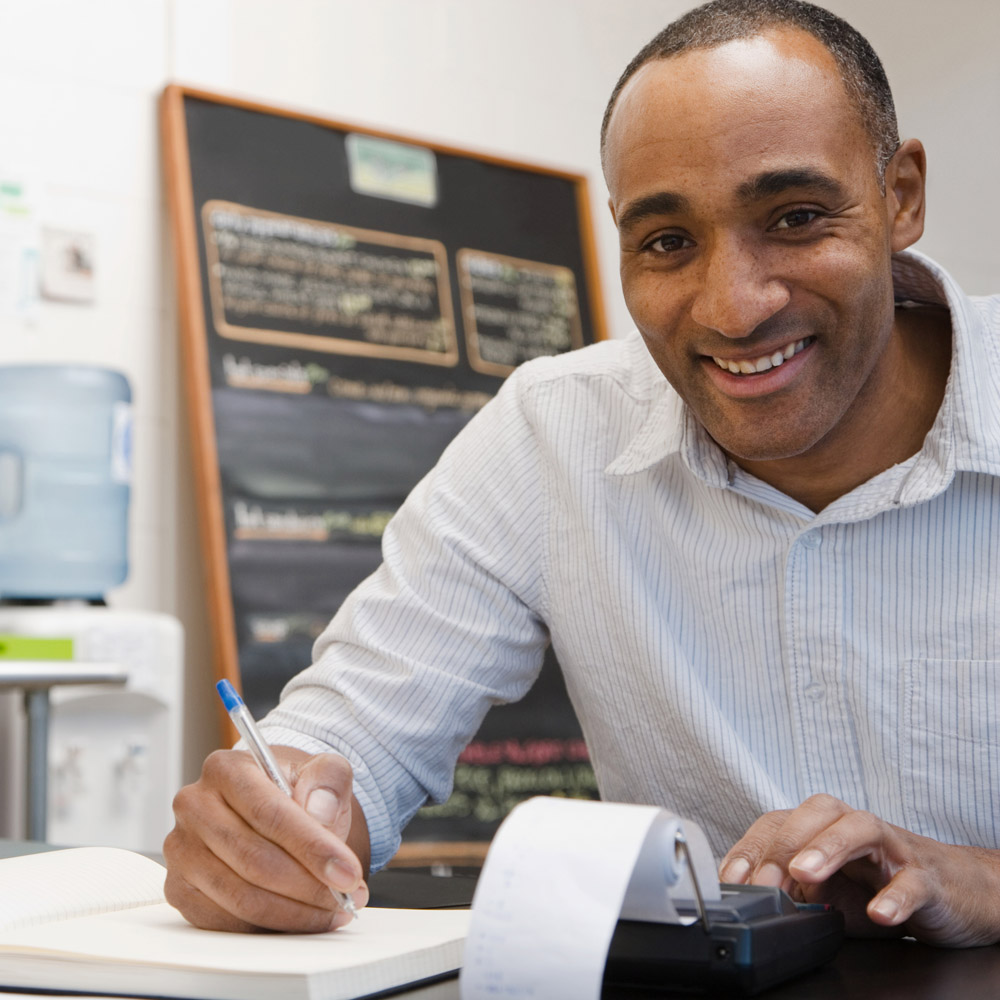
(587, 405)
(989, 308)
(618, 366)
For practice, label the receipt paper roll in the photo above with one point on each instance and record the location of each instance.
(558, 876)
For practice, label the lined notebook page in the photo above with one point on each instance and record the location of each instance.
(56, 885)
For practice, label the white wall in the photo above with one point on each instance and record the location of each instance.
(523, 78)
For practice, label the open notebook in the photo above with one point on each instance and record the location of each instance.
(93, 919)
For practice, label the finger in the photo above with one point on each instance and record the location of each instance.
(853, 836)
(253, 858)
(323, 786)
(224, 874)
(744, 855)
(800, 828)
(206, 825)
(263, 817)
(905, 894)
(211, 895)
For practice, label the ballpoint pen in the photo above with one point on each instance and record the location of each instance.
(247, 728)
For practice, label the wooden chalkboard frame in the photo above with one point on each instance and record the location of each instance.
(194, 327)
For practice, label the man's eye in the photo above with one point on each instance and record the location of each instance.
(668, 243)
(792, 220)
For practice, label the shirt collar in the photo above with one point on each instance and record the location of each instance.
(964, 436)
(670, 428)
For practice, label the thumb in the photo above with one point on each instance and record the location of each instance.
(323, 787)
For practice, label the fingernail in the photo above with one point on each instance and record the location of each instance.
(361, 895)
(887, 909)
(342, 874)
(769, 874)
(811, 861)
(736, 871)
(323, 805)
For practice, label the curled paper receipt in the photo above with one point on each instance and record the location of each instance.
(558, 876)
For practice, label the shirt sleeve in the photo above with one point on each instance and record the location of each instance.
(449, 625)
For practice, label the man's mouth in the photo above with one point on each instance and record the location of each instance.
(753, 366)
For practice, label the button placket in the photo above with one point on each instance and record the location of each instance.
(806, 612)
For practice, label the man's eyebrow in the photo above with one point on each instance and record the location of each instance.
(765, 185)
(661, 203)
(773, 182)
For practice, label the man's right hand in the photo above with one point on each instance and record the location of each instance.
(243, 856)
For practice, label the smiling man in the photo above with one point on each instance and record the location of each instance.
(760, 533)
(757, 221)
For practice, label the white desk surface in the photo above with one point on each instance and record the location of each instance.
(47, 673)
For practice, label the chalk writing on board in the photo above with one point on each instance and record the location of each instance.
(253, 520)
(299, 378)
(428, 397)
(515, 310)
(285, 376)
(274, 628)
(277, 279)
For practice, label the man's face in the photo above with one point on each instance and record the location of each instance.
(754, 235)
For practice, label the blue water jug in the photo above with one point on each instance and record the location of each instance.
(65, 475)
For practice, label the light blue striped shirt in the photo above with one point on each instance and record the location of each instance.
(727, 650)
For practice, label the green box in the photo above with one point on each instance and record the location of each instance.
(24, 647)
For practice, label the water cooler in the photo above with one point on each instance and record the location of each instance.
(114, 752)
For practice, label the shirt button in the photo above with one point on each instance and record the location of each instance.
(815, 692)
(811, 540)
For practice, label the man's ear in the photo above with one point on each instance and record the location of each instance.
(905, 179)
(611, 209)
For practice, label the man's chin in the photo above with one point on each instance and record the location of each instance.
(771, 449)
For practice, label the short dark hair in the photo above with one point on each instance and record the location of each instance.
(723, 21)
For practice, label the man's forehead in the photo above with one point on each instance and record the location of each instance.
(739, 98)
(777, 57)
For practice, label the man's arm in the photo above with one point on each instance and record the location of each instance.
(885, 879)
(447, 627)
(243, 856)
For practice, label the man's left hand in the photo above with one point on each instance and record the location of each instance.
(884, 879)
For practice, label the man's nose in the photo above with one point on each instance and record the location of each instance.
(736, 291)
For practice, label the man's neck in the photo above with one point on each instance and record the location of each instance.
(861, 448)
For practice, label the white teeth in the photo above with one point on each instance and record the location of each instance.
(761, 364)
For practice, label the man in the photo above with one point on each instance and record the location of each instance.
(770, 578)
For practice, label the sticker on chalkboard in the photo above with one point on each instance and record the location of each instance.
(394, 170)
(314, 285)
(516, 310)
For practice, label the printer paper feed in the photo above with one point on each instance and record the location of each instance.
(555, 882)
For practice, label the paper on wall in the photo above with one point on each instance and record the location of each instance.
(19, 254)
(559, 874)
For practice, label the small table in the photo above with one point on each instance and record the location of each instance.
(36, 678)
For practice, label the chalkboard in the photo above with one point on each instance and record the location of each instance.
(348, 300)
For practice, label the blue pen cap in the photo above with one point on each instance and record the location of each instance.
(228, 695)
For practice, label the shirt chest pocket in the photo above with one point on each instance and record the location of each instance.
(951, 750)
